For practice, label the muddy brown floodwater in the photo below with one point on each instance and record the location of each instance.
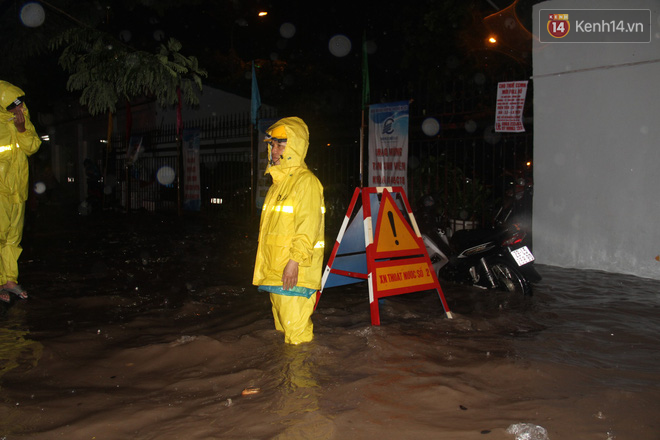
(147, 327)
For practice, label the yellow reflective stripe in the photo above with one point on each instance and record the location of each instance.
(5, 148)
(289, 209)
(319, 244)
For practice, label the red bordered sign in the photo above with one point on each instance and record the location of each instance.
(558, 25)
(392, 258)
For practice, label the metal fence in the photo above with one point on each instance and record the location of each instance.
(472, 176)
(470, 168)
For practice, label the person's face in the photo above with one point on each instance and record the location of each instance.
(277, 150)
(17, 110)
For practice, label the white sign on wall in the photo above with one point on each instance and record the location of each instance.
(510, 105)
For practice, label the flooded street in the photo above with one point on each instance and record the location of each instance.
(140, 327)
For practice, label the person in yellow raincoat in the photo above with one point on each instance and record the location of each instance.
(18, 140)
(291, 232)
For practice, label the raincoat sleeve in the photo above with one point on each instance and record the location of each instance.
(29, 140)
(308, 219)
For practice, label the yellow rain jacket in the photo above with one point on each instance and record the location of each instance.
(291, 228)
(15, 147)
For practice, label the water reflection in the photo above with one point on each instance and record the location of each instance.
(299, 394)
(16, 351)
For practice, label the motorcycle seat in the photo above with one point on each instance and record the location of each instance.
(466, 238)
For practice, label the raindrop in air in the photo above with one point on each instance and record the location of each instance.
(430, 126)
(33, 14)
(339, 45)
(39, 187)
(287, 30)
(372, 47)
(125, 35)
(491, 136)
(165, 175)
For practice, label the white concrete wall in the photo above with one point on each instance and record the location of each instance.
(597, 148)
(212, 102)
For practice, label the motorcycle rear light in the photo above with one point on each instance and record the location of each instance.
(516, 238)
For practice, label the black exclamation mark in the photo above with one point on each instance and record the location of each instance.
(391, 217)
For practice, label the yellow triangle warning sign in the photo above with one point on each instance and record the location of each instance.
(393, 233)
(396, 260)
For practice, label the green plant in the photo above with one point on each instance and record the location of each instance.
(107, 71)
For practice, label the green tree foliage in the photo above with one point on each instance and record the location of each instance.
(106, 71)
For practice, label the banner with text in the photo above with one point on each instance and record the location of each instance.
(192, 199)
(510, 105)
(388, 144)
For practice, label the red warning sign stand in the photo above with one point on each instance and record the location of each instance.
(393, 258)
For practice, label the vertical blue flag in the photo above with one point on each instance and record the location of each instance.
(256, 98)
(365, 74)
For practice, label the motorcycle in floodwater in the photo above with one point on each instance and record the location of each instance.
(487, 258)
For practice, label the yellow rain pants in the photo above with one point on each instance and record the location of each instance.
(293, 316)
(11, 233)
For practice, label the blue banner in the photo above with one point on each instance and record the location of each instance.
(388, 144)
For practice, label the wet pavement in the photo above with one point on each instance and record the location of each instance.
(145, 326)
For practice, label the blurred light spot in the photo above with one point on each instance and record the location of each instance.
(491, 136)
(165, 175)
(430, 126)
(453, 62)
(39, 187)
(33, 14)
(372, 47)
(339, 45)
(287, 30)
(470, 126)
(125, 35)
(84, 208)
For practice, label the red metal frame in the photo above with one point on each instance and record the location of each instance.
(408, 270)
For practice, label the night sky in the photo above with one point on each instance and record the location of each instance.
(308, 53)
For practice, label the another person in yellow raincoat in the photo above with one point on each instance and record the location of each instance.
(18, 140)
(291, 233)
